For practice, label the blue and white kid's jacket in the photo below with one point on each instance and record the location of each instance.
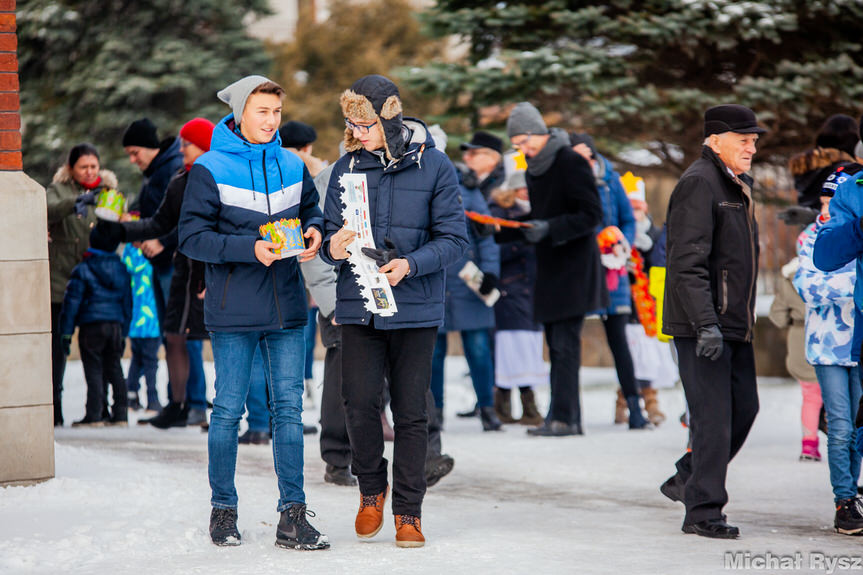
(232, 190)
(830, 309)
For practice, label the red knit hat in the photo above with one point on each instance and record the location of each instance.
(198, 131)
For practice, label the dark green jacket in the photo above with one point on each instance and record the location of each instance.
(69, 235)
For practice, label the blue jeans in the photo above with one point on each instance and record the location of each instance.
(196, 385)
(309, 333)
(840, 390)
(256, 403)
(282, 352)
(477, 351)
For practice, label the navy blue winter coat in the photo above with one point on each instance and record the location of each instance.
(464, 309)
(415, 202)
(99, 290)
(232, 190)
(514, 309)
(156, 177)
(616, 211)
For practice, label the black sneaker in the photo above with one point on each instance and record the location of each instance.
(713, 528)
(254, 438)
(174, 415)
(295, 532)
(223, 527)
(339, 476)
(437, 468)
(849, 519)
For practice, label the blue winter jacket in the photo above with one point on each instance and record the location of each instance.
(156, 177)
(464, 309)
(99, 290)
(415, 202)
(829, 305)
(232, 190)
(616, 211)
(841, 239)
(145, 320)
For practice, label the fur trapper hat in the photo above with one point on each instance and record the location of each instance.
(375, 99)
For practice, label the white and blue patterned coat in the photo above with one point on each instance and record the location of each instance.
(830, 310)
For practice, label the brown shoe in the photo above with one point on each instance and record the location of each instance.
(621, 411)
(529, 412)
(408, 531)
(503, 405)
(651, 406)
(370, 517)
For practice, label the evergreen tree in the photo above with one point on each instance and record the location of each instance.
(89, 68)
(643, 72)
(326, 57)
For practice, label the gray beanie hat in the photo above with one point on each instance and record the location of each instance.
(237, 93)
(525, 119)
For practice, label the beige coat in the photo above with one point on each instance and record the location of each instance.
(788, 310)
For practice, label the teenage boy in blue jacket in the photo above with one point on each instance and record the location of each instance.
(253, 298)
(416, 211)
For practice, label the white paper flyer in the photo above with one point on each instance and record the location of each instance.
(374, 286)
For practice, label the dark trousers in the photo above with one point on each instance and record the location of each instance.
(335, 443)
(615, 333)
(405, 357)
(723, 402)
(101, 346)
(58, 361)
(564, 347)
(145, 362)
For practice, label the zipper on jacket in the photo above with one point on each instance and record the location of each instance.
(724, 307)
(269, 216)
(225, 291)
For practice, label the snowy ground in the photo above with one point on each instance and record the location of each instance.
(136, 500)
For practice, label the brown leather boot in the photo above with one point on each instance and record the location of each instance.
(408, 531)
(503, 405)
(529, 412)
(621, 412)
(651, 406)
(370, 517)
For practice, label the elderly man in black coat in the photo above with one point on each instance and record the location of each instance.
(710, 310)
(565, 211)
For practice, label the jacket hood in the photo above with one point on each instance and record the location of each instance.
(107, 277)
(815, 159)
(226, 140)
(375, 99)
(63, 175)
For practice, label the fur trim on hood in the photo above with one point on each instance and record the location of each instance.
(63, 175)
(815, 159)
(375, 99)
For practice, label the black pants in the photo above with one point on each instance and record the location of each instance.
(101, 346)
(564, 346)
(58, 362)
(615, 333)
(723, 402)
(335, 443)
(405, 356)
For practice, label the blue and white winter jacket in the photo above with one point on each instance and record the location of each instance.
(414, 202)
(830, 310)
(840, 240)
(232, 190)
(616, 211)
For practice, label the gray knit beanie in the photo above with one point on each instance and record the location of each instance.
(525, 119)
(237, 93)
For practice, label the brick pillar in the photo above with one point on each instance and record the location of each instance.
(26, 411)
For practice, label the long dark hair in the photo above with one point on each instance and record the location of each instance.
(79, 150)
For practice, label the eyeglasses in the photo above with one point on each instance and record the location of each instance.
(521, 143)
(364, 129)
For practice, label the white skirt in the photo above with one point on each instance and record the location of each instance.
(651, 358)
(518, 359)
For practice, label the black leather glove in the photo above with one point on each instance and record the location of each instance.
(709, 343)
(115, 231)
(798, 215)
(66, 342)
(537, 231)
(88, 198)
(382, 257)
(489, 282)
